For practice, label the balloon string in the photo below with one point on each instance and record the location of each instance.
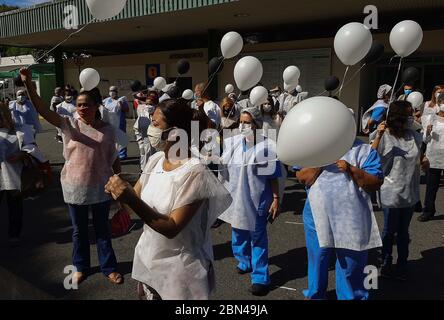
(212, 76)
(396, 80)
(343, 81)
(354, 75)
(62, 42)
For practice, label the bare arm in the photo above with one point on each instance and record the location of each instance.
(275, 207)
(168, 225)
(308, 176)
(50, 116)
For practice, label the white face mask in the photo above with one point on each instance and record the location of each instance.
(21, 99)
(267, 108)
(113, 94)
(245, 129)
(441, 107)
(155, 138)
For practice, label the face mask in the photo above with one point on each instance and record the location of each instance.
(113, 94)
(151, 109)
(437, 95)
(407, 92)
(155, 138)
(410, 122)
(245, 129)
(69, 99)
(441, 107)
(267, 108)
(21, 99)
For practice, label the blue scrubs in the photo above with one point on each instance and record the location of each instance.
(349, 264)
(378, 115)
(123, 154)
(250, 248)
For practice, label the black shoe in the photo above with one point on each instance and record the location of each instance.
(387, 271)
(217, 224)
(425, 217)
(259, 290)
(401, 273)
(240, 271)
(418, 207)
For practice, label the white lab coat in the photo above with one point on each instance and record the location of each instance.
(25, 114)
(179, 268)
(141, 126)
(342, 211)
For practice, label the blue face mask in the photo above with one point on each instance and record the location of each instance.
(407, 92)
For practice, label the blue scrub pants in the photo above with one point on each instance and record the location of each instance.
(349, 267)
(250, 248)
(123, 154)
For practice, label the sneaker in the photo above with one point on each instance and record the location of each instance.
(425, 217)
(387, 271)
(240, 271)
(259, 290)
(401, 273)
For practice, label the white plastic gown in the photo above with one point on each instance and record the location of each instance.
(25, 115)
(114, 108)
(244, 174)
(287, 101)
(435, 144)
(400, 163)
(342, 211)
(368, 114)
(10, 143)
(179, 268)
(141, 125)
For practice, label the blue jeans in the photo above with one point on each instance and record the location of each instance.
(396, 221)
(122, 126)
(250, 248)
(350, 266)
(81, 251)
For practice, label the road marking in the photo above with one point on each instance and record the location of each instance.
(296, 223)
(286, 288)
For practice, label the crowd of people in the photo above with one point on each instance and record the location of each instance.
(237, 179)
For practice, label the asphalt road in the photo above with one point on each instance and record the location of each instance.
(35, 269)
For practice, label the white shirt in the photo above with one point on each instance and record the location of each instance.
(213, 112)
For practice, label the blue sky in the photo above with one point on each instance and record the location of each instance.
(22, 3)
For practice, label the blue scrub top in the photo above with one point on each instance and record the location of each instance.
(372, 166)
(378, 115)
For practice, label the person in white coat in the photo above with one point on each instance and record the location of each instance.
(204, 101)
(141, 125)
(378, 112)
(178, 199)
(23, 112)
(250, 171)
(434, 138)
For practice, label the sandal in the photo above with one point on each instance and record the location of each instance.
(115, 278)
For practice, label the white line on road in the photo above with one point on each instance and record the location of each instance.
(286, 288)
(297, 223)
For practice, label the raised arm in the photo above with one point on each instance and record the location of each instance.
(50, 116)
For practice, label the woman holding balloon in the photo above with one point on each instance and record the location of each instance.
(91, 149)
(400, 151)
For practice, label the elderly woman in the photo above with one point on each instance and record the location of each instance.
(16, 142)
(338, 215)
(250, 172)
(90, 148)
(377, 113)
(178, 198)
(400, 151)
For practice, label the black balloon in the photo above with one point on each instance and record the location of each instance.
(331, 83)
(18, 81)
(215, 65)
(136, 86)
(375, 53)
(183, 66)
(410, 75)
(174, 92)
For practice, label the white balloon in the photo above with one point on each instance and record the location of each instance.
(248, 72)
(231, 44)
(160, 83)
(258, 96)
(317, 132)
(292, 75)
(299, 88)
(229, 88)
(89, 78)
(102, 10)
(406, 37)
(352, 43)
(416, 99)
(188, 94)
(290, 87)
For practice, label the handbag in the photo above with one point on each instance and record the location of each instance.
(36, 176)
(120, 223)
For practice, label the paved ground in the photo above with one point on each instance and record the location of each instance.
(35, 268)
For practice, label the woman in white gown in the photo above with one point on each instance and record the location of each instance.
(179, 199)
